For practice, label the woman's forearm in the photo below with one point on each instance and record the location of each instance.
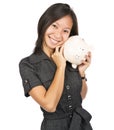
(84, 89)
(55, 90)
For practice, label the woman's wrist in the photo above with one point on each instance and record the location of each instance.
(62, 67)
(83, 76)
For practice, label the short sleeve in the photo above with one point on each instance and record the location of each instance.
(29, 77)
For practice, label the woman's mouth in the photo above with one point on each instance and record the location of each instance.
(54, 41)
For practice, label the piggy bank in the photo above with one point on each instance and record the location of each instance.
(75, 49)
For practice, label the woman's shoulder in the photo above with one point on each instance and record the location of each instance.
(32, 59)
(25, 61)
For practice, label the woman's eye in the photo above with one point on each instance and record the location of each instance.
(66, 31)
(54, 25)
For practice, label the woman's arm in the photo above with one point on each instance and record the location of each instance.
(49, 99)
(82, 68)
(84, 89)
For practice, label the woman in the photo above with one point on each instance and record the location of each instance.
(49, 79)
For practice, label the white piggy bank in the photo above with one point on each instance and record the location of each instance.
(75, 49)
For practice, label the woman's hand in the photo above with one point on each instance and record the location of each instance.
(85, 64)
(58, 57)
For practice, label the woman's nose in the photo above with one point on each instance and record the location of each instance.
(58, 34)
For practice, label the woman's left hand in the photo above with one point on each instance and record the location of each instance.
(85, 64)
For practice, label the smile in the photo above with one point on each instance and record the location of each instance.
(54, 41)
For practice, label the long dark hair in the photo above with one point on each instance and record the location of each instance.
(52, 14)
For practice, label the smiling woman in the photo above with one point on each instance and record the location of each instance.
(57, 33)
(49, 79)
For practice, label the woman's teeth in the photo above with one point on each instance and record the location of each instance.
(54, 41)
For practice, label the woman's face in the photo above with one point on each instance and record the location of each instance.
(57, 33)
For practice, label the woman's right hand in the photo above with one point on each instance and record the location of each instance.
(58, 57)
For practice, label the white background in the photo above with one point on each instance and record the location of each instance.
(18, 33)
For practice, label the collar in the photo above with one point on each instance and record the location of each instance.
(35, 58)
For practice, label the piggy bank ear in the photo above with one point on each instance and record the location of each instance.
(74, 66)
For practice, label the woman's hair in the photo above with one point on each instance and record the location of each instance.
(52, 14)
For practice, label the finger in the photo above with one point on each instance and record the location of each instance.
(61, 49)
(89, 54)
(57, 48)
(89, 58)
(52, 55)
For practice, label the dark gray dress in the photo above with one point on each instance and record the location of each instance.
(39, 70)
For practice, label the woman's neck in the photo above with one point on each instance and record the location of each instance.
(48, 51)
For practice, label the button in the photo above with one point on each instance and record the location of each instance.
(70, 107)
(67, 87)
(69, 97)
(26, 81)
(70, 115)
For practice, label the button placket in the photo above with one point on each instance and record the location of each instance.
(69, 100)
